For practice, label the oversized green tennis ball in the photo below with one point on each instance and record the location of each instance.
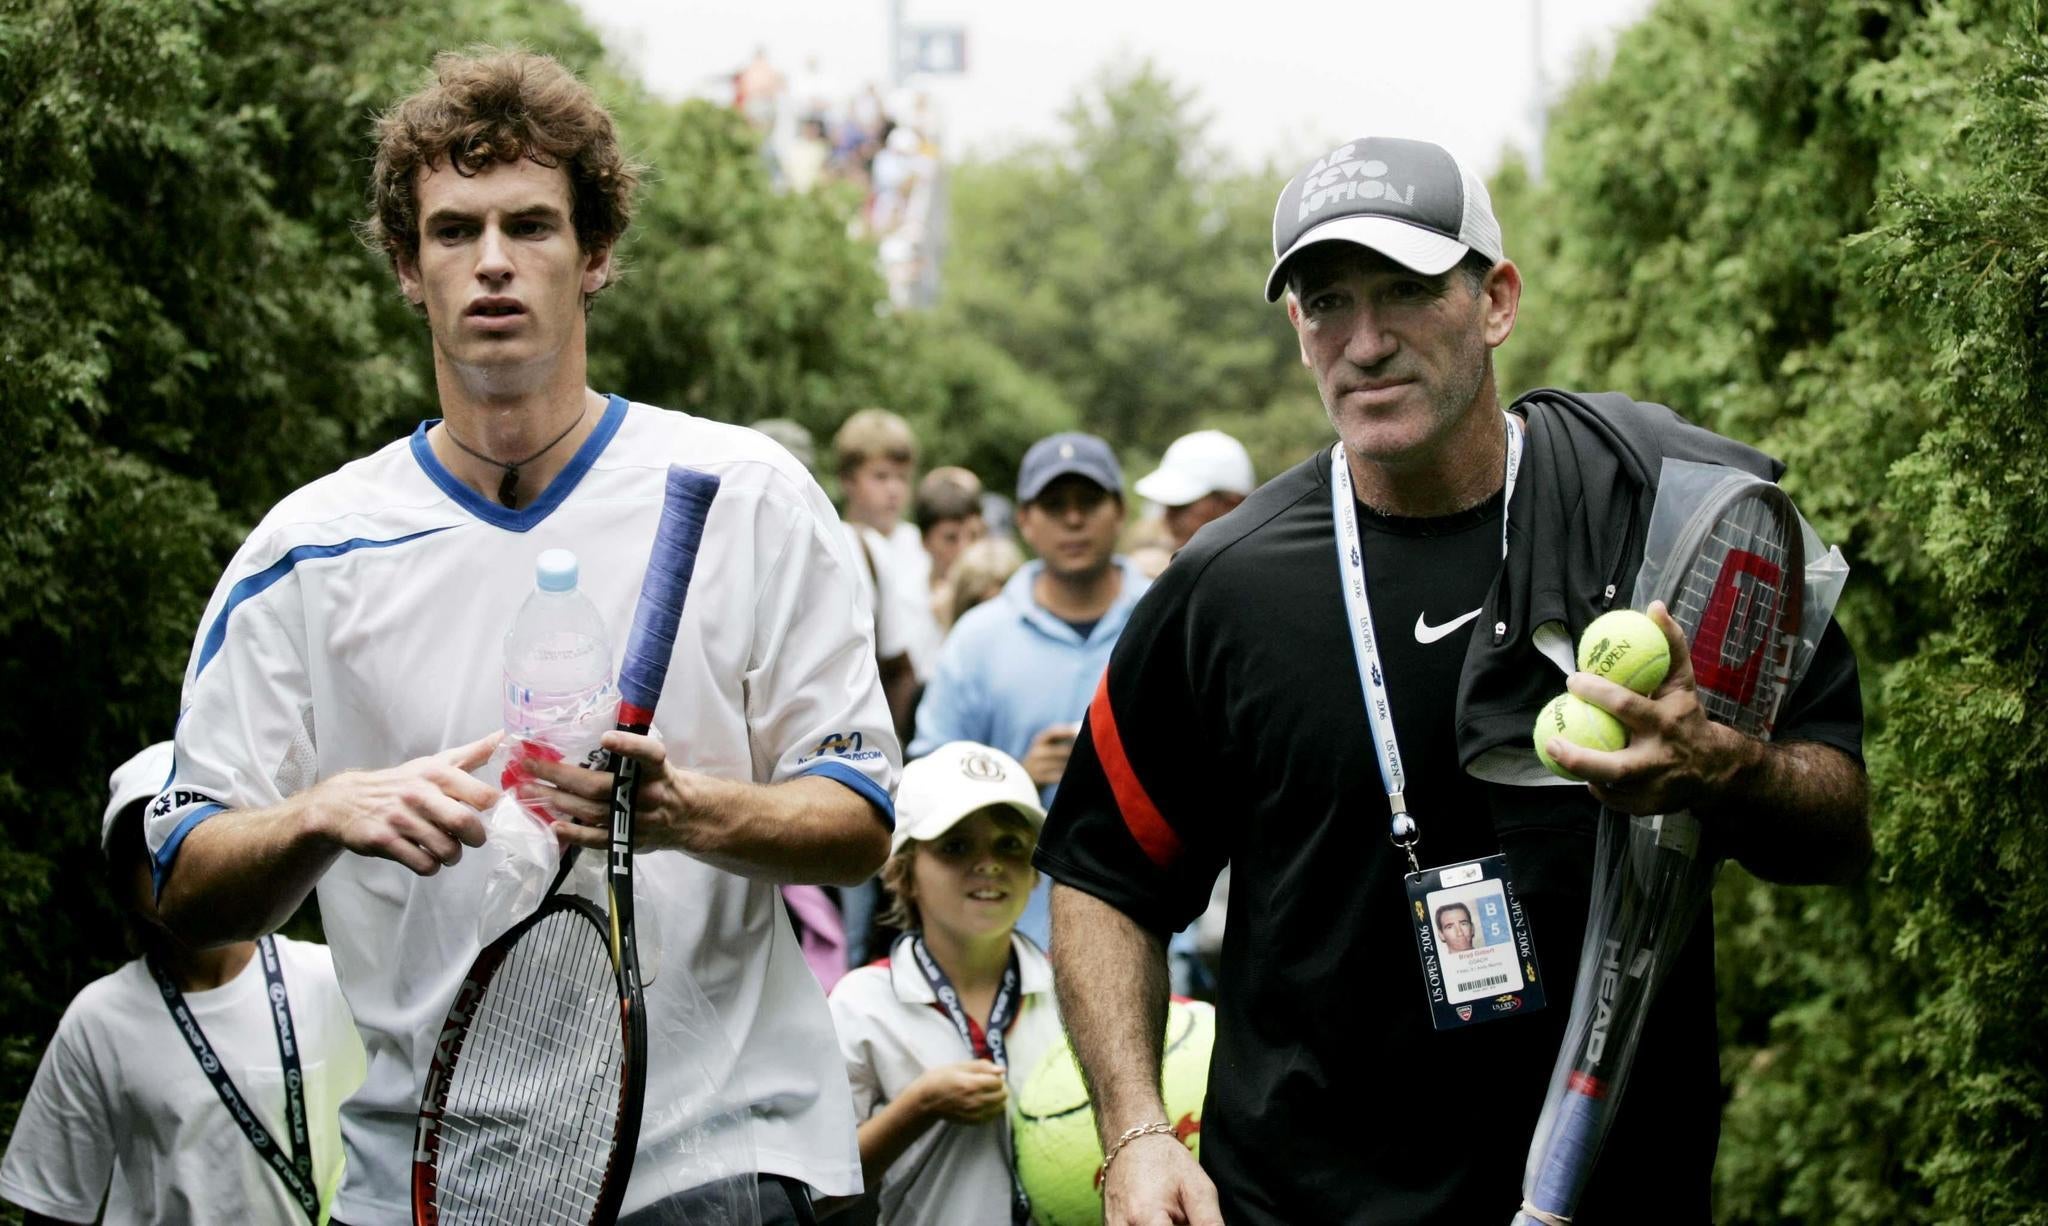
(1053, 1128)
(1579, 722)
(1627, 648)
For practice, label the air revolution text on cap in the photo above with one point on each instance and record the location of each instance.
(1412, 201)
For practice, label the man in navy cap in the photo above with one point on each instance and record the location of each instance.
(1017, 671)
(1331, 691)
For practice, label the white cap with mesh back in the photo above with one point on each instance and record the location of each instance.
(1412, 201)
(139, 778)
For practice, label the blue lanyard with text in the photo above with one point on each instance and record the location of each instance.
(1379, 712)
(1001, 1012)
(295, 1170)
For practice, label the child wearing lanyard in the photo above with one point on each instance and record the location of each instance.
(939, 1034)
(191, 1085)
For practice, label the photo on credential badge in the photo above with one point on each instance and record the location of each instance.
(1473, 935)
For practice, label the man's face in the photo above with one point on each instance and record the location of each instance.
(500, 272)
(876, 492)
(945, 539)
(1454, 924)
(1073, 525)
(1183, 522)
(1399, 357)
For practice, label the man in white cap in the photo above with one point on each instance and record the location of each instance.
(1331, 691)
(1202, 477)
(132, 1105)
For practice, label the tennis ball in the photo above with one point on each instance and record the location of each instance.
(1627, 648)
(1053, 1128)
(1579, 722)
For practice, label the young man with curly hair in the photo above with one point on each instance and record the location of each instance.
(345, 683)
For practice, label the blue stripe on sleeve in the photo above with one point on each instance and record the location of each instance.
(840, 772)
(160, 863)
(263, 580)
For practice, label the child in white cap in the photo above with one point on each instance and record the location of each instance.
(936, 1035)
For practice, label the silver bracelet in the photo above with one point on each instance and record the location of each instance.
(1130, 1135)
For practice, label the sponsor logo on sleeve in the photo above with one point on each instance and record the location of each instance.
(845, 746)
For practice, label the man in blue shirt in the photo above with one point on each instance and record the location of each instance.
(1017, 672)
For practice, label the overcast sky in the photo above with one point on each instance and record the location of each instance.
(1277, 79)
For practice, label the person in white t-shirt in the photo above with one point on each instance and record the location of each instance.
(936, 1036)
(876, 456)
(122, 1116)
(356, 637)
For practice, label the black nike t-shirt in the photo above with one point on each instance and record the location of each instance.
(1230, 727)
(1425, 582)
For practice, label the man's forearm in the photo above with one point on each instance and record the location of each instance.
(242, 872)
(806, 831)
(1110, 974)
(1797, 813)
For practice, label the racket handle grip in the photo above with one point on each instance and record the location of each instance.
(1574, 1138)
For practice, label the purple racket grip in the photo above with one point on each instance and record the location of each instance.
(686, 504)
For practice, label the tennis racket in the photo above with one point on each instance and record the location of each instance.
(1735, 584)
(532, 1106)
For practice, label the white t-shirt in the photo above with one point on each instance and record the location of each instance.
(913, 567)
(890, 1031)
(881, 583)
(120, 1109)
(361, 626)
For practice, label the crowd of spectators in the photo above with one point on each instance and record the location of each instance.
(816, 131)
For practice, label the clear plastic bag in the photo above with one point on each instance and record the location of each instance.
(697, 1164)
(1650, 882)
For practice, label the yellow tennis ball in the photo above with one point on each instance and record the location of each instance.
(1580, 722)
(1627, 648)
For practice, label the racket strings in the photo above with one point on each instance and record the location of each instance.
(532, 1105)
(1732, 600)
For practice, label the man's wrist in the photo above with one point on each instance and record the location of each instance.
(1119, 1119)
(311, 821)
(1743, 776)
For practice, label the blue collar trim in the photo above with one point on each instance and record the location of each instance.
(561, 487)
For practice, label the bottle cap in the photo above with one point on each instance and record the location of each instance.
(555, 571)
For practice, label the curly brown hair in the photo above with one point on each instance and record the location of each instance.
(492, 104)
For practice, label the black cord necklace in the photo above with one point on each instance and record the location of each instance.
(508, 486)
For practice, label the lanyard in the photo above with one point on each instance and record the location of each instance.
(1001, 1013)
(1379, 713)
(294, 1170)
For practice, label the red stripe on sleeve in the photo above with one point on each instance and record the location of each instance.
(1140, 815)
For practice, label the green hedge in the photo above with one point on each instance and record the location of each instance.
(1823, 227)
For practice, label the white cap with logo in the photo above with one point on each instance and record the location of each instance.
(139, 778)
(953, 781)
(1413, 201)
(1197, 465)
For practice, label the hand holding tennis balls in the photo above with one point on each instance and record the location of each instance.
(1572, 718)
(1627, 648)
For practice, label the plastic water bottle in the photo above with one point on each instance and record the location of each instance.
(559, 695)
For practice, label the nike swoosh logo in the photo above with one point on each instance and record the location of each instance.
(1426, 633)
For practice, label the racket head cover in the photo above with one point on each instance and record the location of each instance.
(1735, 586)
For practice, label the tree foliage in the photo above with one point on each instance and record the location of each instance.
(1820, 227)
(1123, 263)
